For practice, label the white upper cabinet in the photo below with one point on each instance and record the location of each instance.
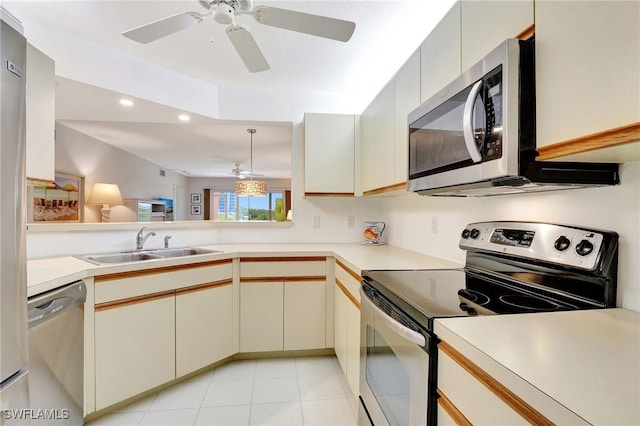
(40, 116)
(407, 97)
(378, 141)
(587, 76)
(329, 154)
(486, 24)
(440, 54)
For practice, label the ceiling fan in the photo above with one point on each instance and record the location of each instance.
(243, 174)
(224, 11)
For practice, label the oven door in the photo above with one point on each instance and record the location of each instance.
(394, 367)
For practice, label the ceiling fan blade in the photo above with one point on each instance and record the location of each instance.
(321, 26)
(247, 48)
(163, 27)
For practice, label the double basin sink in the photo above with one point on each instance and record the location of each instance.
(140, 255)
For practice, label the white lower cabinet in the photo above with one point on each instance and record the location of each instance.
(135, 348)
(204, 332)
(347, 324)
(282, 304)
(153, 326)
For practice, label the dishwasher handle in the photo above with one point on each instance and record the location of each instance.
(45, 306)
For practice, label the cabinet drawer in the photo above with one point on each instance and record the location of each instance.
(348, 280)
(137, 283)
(283, 267)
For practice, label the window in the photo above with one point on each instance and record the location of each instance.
(227, 206)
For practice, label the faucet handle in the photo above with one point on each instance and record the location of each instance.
(166, 241)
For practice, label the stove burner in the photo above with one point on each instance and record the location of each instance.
(476, 297)
(529, 302)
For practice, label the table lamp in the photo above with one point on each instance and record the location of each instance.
(105, 194)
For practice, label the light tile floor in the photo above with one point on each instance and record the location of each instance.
(279, 391)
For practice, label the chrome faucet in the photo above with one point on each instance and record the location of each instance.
(166, 241)
(140, 239)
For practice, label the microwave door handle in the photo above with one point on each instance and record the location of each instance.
(467, 123)
(392, 324)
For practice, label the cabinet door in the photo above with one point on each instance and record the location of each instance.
(587, 68)
(378, 140)
(347, 324)
(407, 98)
(353, 347)
(329, 152)
(305, 308)
(204, 326)
(135, 348)
(486, 24)
(440, 54)
(340, 326)
(40, 116)
(261, 315)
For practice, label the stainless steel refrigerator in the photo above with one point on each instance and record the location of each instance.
(14, 393)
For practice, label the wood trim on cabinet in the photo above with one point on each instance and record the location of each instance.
(347, 293)
(529, 413)
(606, 139)
(383, 189)
(160, 270)
(453, 411)
(305, 279)
(329, 194)
(348, 270)
(285, 259)
(133, 300)
(527, 33)
(281, 278)
(204, 286)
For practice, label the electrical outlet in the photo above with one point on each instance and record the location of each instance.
(434, 224)
(316, 221)
(351, 221)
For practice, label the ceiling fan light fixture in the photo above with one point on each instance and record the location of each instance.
(222, 13)
(251, 187)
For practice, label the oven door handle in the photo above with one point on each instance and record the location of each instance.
(395, 326)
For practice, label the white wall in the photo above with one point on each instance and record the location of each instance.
(410, 218)
(80, 154)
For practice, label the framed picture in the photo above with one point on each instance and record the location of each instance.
(61, 201)
(195, 209)
(196, 198)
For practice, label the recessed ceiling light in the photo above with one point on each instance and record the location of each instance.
(184, 117)
(126, 102)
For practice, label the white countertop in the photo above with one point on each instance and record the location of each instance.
(589, 361)
(49, 273)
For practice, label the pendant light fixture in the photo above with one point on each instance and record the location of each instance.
(251, 187)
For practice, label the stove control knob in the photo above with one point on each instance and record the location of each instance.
(475, 233)
(562, 243)
(584, 248)
(465, 234)
(468, 309)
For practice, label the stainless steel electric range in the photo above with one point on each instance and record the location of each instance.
(510, 268)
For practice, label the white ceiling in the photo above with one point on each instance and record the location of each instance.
(303, 68)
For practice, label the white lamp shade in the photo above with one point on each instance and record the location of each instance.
(105, 194)
(251, 187)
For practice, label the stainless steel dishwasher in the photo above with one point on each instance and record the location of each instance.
(56, 355)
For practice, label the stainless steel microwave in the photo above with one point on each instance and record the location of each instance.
(476, 136)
